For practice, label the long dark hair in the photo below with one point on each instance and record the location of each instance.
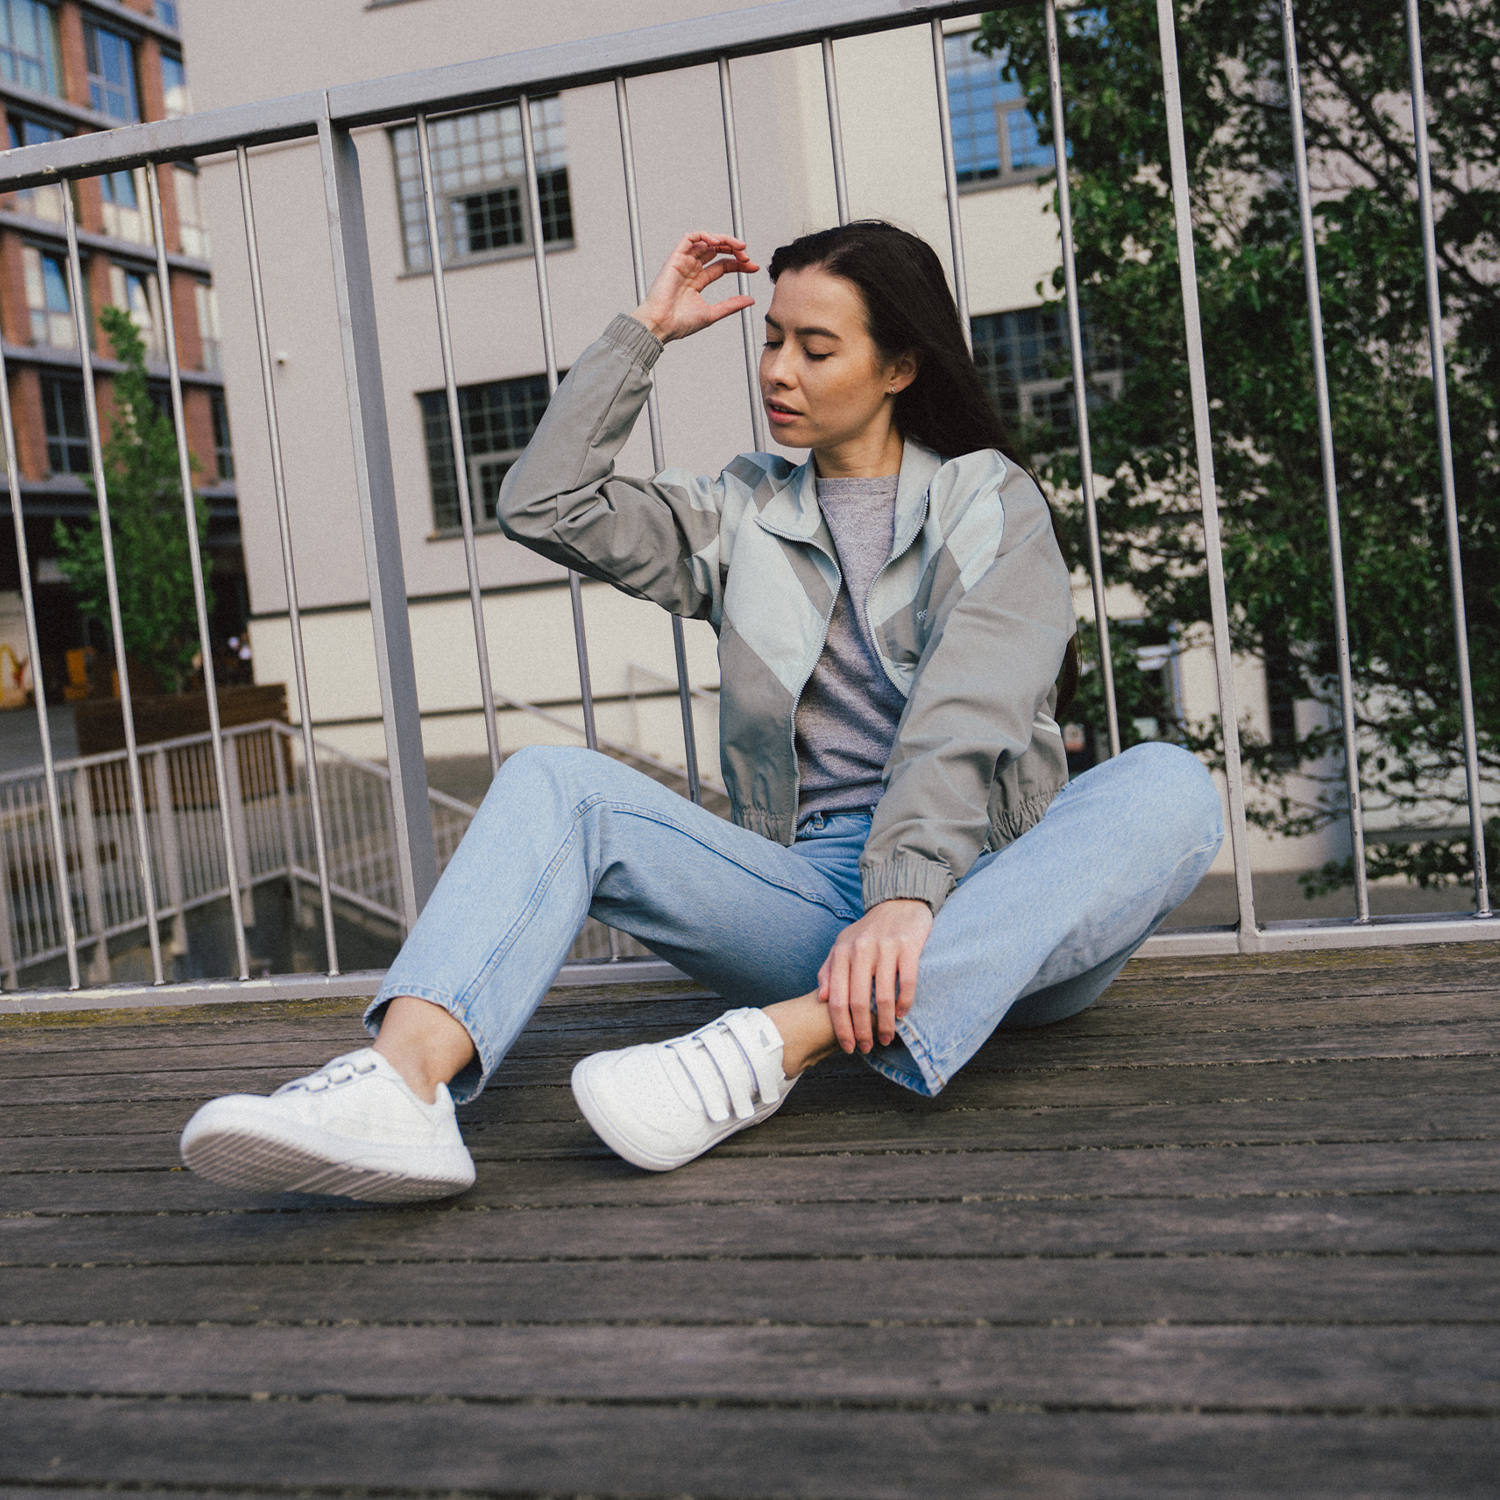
(908, 307)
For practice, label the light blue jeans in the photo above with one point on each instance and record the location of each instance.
(1035, 932)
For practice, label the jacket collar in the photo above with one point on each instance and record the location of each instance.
(792, 512)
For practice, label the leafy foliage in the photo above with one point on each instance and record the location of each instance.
(1266, 450)
(153, 565)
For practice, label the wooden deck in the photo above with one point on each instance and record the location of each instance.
(1235, 1232)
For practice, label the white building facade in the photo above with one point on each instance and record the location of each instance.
(892, 149)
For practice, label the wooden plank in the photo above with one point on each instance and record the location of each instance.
(649, 1451)
(1020, 1053)
(1216, 1172)
(1348, 1115)
(1428, 1370)
(1109, 1291)
(995, 1231)
(1237, 1123)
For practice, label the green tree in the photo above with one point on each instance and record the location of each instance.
(153, 565)
(1250, 270)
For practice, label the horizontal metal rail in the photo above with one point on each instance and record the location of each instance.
(432, 91)
(374, 837)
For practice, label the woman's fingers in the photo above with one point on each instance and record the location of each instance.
(674, 306)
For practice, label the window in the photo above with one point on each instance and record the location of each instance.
(28, 45)
(136, 292)
(122, 196)
(67, 431)
(994, 138)
(47, 298)
(1023, 359)
(498, 421)
(39, 202)
(207, 301)
(174, 90)
(191, 230)
(166, 13)
(478, 177)
(111, 63)
(223, 452)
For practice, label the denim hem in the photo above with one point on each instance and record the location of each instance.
(485, 1064)
(926, 1080)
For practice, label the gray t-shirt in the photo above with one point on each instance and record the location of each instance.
(847, 715)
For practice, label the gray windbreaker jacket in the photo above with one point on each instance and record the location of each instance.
(971, 614)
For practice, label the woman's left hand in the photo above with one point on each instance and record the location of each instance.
(880, 951)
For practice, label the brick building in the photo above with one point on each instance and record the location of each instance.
(67, 67)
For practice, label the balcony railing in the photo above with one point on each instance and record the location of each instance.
(414, 842)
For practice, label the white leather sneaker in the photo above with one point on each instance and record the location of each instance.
(661, 1104)
(353, 1128)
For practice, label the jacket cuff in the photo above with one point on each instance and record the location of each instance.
(907, 879)
(635, 340)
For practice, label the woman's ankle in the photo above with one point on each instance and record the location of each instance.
(423, 1043)
(806, 1032)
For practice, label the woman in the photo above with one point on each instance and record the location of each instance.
(907, 868)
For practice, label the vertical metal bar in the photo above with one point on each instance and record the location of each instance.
(7, 944)
(1330, 471)
(1445, 455)
(200, 600)
(39, 688)
(460, 459)
(742, 281)
(1080, 386)
(375, 484)
(94, 911)
(835, 131)
(239, 873)
(1182, 210)
(111, 583)
(171, 849)
(658, 457)
(549, 354)
(288, 840)
(950, 183)
(288, 570)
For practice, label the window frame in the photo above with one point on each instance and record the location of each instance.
(409, 200)
(530, 399)
(46, 312)
(100, 86)
(1103, 365)
(1005, 173)
(48, 61)
(218, 410)
(52, 388)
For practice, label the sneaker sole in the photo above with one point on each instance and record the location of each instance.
(602, 1126)
(245, 1158)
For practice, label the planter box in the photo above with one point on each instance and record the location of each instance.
(171, 716)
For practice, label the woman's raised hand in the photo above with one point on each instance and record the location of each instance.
(674, 307)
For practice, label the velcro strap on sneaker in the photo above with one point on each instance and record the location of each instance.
(705, 1075)
(757, 1035)
(729, 1058)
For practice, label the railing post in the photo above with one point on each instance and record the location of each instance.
(93, 883)
(354, 292)
(237, 868)
(7, 944)
(279, 749)
(171, 852)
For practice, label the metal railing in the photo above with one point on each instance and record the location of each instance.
(328, 117)
(100, 897)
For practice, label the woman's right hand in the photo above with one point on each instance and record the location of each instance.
(674, 307)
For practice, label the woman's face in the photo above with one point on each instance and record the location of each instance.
(824, 383)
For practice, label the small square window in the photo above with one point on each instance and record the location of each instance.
(498, 420)
(48, 299)
(478, 178)
(223, 450)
